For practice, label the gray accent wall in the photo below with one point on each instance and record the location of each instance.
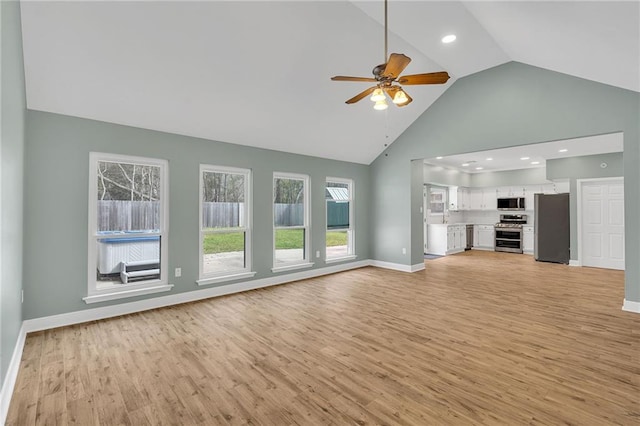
(56, 201)
(508, 105)
(532, 176)
(12, 144)
(584, 167)
(451, 177)
(445, 176)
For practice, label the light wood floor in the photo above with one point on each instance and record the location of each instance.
(476, 338)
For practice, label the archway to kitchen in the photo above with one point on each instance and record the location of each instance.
(461, 192)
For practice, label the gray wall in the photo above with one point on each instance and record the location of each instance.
(584, 167)
(451, 177)
(508, 105)
(510, 177)
(56, 191)
(11, 180)
(445, 176)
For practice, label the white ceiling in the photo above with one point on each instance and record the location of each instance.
(524, 157)
(257, 73)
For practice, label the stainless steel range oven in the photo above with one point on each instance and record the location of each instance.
(508, 232)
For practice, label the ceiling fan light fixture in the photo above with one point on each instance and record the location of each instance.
(377, 95)
(381, 105)
(400, 97)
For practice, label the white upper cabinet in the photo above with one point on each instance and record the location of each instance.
(453, 198)
(483, 199)
(510, 191)
(464, 201)
(459, 198)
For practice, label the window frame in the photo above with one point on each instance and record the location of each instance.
(351, 239)
(306, 261)
(445, 199)
(120, 291)
(229, 275)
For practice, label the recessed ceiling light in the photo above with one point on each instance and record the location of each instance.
(489, 159)
(465, 164)
(479, 168)
(438, 158)
(524, 158)
(449, 38)
(535, 162)
(563, 150)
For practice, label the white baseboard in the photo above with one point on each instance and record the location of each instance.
(631, 306)
(417, 267)
(12, 375)
(483, 248)
(85, 315)
(395, 266)
(574, 262)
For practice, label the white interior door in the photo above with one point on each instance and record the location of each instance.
(602, 214)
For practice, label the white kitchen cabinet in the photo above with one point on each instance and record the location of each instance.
(475, 199)
(529, 196)
(483, 199)
(561, 186)
(446, 239)
(485, 237)
(459, 238)
(458, 198)
(451, 240)
(437, 239)
(463, 199)
(527, 239)
(510, 191)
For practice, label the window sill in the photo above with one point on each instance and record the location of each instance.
(340, 259)
(291, 267)
(223, 278)
(104, 297)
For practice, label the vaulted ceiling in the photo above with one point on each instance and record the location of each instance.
(257, 73)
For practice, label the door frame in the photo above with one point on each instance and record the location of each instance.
(580, 183)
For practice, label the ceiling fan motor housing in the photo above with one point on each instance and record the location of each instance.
(379, 69)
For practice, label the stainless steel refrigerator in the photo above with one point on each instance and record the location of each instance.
(551, 228)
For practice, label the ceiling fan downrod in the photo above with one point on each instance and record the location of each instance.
(386, 33)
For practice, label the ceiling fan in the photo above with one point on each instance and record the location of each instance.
(388, 80)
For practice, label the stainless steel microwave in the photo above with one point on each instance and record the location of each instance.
(511, 203)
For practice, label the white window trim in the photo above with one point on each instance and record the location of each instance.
(306, 262)
(444, 201)
(234, 274)
(94, 294)
(351, 244)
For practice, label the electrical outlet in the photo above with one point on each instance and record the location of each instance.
(178, 272)
(404, 250)
(317, 253)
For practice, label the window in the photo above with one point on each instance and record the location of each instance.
(225, 224)
(128, 219)
(290, 221)
(339, 235)
(437, 200)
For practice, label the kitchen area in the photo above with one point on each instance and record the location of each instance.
(558, 201)
(490, 218)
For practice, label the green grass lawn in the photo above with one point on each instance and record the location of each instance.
(285, 239)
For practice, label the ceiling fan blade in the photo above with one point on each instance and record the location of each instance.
(397, 63)
(428, 78)
(361, 95)
(345, 78)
